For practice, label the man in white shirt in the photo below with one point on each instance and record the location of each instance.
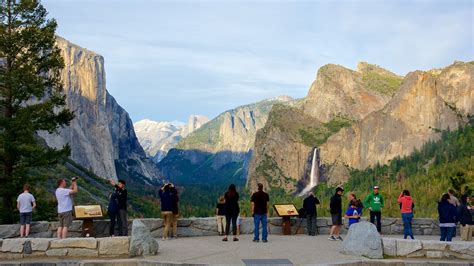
(63, 196)
(25, 203)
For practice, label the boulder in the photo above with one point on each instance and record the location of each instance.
(9, 230)
(405, 246)
(39, 244)
(60, 252)
(363, 240)
(462, 247)
(434, 245)
(142, 243)
(82, 252)
(114, 246)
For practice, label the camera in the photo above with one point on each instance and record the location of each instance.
(74, 178)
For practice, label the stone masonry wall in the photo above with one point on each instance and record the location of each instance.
(188, 227)
(17, 248)
(427, 249)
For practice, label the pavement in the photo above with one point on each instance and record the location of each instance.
(295, 249)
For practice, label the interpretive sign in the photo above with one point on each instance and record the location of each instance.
(88, 211)
(285, 210)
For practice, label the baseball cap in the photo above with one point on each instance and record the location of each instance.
(339, 189)
(376, 187)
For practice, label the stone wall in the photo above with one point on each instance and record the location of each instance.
(16, 248)
(427, 249)
(188, 227)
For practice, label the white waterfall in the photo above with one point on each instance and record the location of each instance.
(314, 174)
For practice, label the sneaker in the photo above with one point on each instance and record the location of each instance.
(264, 241)
(164, 238)
(332, 238)
(339, 238)
(256, 240)
(225, 239)
(236, 239)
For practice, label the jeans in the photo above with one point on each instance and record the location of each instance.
(311, 224)
(113, 215)
(447, 233)
(123, 222)
(257, 219)
(407, 217)
(377, 215)
(228, 220)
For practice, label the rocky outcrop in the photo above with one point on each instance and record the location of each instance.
(142, 243)
(360, 118)
(363, 240)
(337, 98)
(157, 138)
(224, 144)
(102, 132)
(425, 104)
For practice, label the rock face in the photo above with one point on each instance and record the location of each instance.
(142, 243)
(358, 119)
(157, 138)
(101, 133)
(424, 104)
(363, 240)
(337, 98)
(224, 144)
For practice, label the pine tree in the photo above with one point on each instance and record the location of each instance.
(31, 95)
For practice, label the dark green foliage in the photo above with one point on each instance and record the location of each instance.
(31, 97)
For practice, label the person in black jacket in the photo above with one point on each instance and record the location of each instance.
(465, 219)
(336, 214)
(309, 205)
(447, 218)
(122, 196)
(232, 211)
(113, 211)
(166, 198)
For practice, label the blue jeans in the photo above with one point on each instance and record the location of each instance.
(257, 219)
(447, 233)
(407, 217)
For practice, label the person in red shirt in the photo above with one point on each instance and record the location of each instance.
(406, 207)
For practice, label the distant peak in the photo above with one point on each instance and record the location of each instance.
(364, 68)
(282, 98)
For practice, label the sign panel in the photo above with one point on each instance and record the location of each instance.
(285, 210)
(88, 211)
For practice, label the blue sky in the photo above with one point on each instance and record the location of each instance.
(166, 60)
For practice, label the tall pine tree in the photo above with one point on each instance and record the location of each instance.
(31, 96)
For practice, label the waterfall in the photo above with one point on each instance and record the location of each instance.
(314, 173)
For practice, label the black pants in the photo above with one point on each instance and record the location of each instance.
(122, 222)
(228, 219)
(113, 218)
(377, 215)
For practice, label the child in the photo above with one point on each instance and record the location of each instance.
(353, 213)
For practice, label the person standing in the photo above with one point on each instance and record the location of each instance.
(309, 205)
(336, 214)
(64, 199)
(166, 198)
(220, 215)
(353, 212)
(374, 201)
(25, 204)
(465, 219)
(447, 218)
(122, 197)
(175, 203)
(113, 210)
(406, 206)
(260, 201)
(232, 211)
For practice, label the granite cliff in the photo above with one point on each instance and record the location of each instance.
(101, 135)
(358, 119)
(221, 148)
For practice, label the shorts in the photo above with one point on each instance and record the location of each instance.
(65, 219)
(336, 219)
(25, 217)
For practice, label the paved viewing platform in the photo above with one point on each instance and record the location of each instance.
(295, 249)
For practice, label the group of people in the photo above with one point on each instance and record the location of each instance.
(451, 211)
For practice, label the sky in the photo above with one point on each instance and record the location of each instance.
(166, 60)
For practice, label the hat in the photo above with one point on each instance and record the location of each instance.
(339, 189)
(376, 187)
